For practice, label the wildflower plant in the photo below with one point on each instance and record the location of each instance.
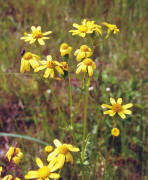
(64, 68)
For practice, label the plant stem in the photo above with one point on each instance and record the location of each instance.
(85, 115)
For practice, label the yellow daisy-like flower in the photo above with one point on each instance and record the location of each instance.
(117, 108)
(36, 35)
(27, 60)
(111, 28)
(10, 177)
(83, 52)
(115, 132)
(61, 154)
(44, 172)
(14, 154)
(65, 49)
(48, 149)
(87, 65)
(82, 29)
(50, 65)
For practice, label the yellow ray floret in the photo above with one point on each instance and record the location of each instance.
(83, 52)
(87, 65)
(115, 132)
(44, 172)
(86, 27)
(36, 34)
(14, 154)
(29, 59)
(65, 49)
(116, 107)
(111, 28)
(50, 65)
(61, 154)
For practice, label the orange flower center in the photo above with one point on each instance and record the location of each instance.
(51, 64)
(27, 56)
(43, 172)
(63, 149)
(65, 46)
(115, 132)
(88, 62)
(37, 34)
(85, 49)
(116, 107)
(83, 29)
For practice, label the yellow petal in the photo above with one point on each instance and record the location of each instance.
(126, 106)
(83, 68)
(61, 160)
(39, 162)
(59, 70)
(39, 68)
(127, 112)
(108, 112)
(49, 57)
(39, 28)
(31, 175)
(72, 148)
(22, 68)
(31, 40)
(119, 101)
(106, 106)
(27, 66)
(52, 155)
(47, 72)
(90, 71)
(112, 100)
(34, 64)
(33, 28)
(69, 158)
(78, 69)
(41, 42)
(57, 143)
(121, 114)
(46, 33)
(54, 175)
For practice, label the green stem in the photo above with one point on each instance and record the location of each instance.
(70, 103)
(85, 116)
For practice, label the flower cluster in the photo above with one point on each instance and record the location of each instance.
(14, 154)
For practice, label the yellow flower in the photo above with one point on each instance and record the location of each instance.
(61, 154)
(14, 154)
(48, 149)
(87, 65)
(117, 108)
(111, 28)
(50, 65)
(82, 29)
(86, 27)
(10, 177)
(65, 49)
(115, 132)
(44, 172)
(27, 60)
(36, 35)
(83, 52)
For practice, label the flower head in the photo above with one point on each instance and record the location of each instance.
(50, 65)
(115, 132)
(65, 49)
(48, 149)
(36, 35)
(111, 28)
(14, 154)
(44, 172)
(27, 60)
(64, 66)
(87, 65)
(61, 154)
(117, 108)
(83, 52)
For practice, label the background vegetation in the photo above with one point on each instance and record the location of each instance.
(27, 106)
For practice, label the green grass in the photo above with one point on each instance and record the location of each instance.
(27, 106)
